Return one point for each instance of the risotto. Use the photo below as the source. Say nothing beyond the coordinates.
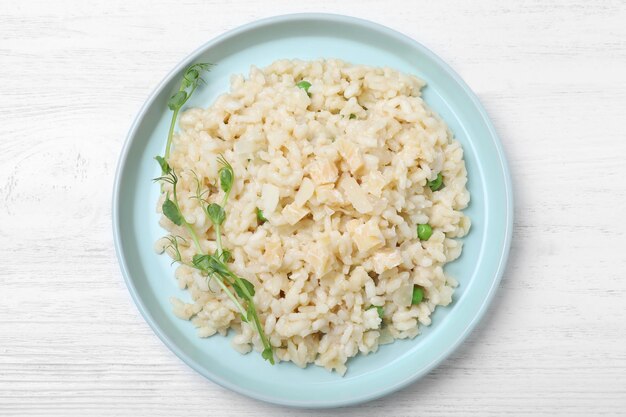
(347, 203)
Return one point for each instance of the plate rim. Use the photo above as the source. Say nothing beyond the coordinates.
(335, 18)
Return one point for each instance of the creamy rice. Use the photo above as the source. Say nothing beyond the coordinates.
(341, 175)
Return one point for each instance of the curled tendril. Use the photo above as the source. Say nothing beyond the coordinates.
(200, 195)
(170, 178)
(173, 246)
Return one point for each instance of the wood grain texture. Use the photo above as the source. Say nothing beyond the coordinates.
(551, 75)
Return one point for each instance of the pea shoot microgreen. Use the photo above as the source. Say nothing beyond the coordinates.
(213, 266)
(191, 80)
(216, 214)
(173, 248)
(171, 211)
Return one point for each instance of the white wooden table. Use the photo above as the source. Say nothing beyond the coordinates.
(552, 76)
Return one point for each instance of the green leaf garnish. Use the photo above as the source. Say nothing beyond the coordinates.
(171, 211)
(191, 75)
(165, 167)
(226, 174)
(216, 265)
(216, 213)
(177, 100)
(352, 116)
(201, 261)
(249, 286)
(191, 79)
(268, 355)
(211, 264)
(226, 256)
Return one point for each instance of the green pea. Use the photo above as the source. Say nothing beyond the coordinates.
(418, 295)
(424, 231)
(379, 310)
(437, 183)
(305, 85)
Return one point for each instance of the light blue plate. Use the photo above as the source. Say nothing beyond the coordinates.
(311, 36)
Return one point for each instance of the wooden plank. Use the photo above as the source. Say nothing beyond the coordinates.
(551, 77)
